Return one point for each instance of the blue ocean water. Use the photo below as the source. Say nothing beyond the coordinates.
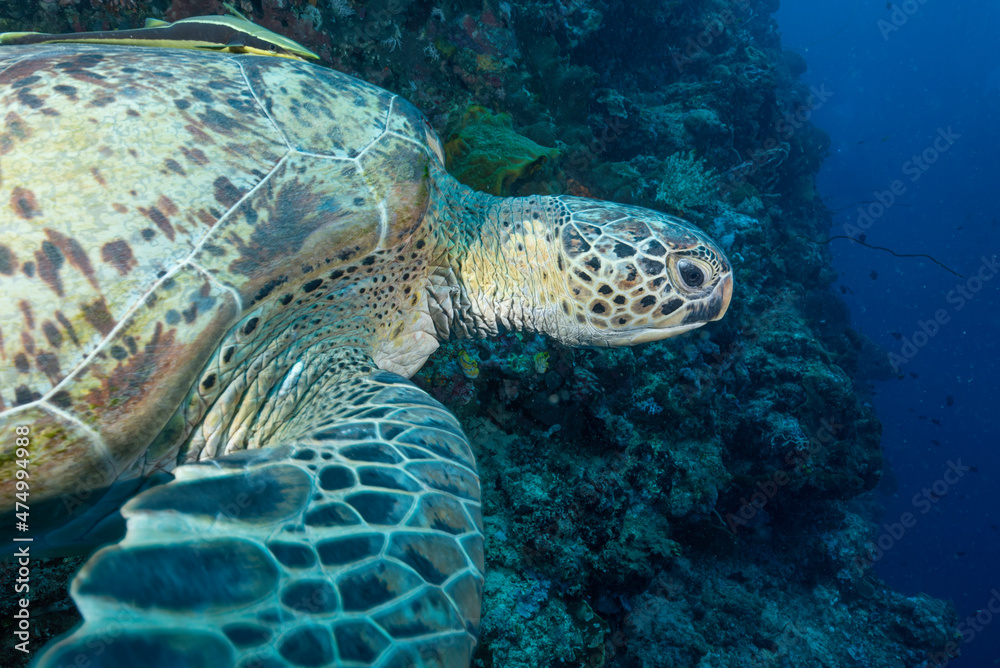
(910, 95)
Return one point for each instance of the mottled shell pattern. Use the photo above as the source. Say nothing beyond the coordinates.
(162, 221)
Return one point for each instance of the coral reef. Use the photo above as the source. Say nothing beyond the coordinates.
(703, 501)
(485, 152)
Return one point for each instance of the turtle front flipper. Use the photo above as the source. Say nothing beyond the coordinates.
(359, 544)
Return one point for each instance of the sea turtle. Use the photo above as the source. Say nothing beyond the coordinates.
(220, 270)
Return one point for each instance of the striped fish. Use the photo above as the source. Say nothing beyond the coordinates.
(232, 34)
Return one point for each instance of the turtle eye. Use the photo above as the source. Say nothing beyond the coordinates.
(691, 274)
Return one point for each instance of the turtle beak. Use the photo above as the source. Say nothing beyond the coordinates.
(726, 290)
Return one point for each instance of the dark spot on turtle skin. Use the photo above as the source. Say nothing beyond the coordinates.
(8, 261)
(594, 264)
(333, 478)
(268, 288)
(118, 353)
(96, 313)
(48, 364)
(246, 635)
(250, 326)
(68, 326)
(190, 313)
(292, 555)
(647, 301)
(360, 641)
(340, 551)
(598, 308)
(174, 166)
(651, 267)
(23, 202)
(172, 317)
(671, 306)
(131, 344)
(312, 285)
(147, 233)
(285, 298)
(61, 399)
(29, 269)
(29, 318)
(23, 395)
(26, 81)
(195, 155)
(209, 381)
(218, 122)
(332, 515)
(21, 363)
(213, 250)
(620, 299)
(101, 101)
(199, 135)
(73, 252)
(380, 507)
(307, 646)
(583, 275)
(52, 334)
(573, 242)
(228, 355)
(182, 104)
(68, 91)
(50, 261)
(119, 254)
(312, 597)
(25, 97)
(155, 215)
(201, 95)
(623, 250)
(605, 289)
(96, 173)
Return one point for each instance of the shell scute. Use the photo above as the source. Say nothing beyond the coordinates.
(139, 367)
(310, 212)
(317, 110)
(396, 170)
(127, 193)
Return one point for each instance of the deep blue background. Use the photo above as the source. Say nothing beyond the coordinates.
(890, 95)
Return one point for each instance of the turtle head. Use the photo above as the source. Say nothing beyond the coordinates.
(632, 275)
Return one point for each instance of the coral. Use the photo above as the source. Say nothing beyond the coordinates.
(685, 182)
(486, 153)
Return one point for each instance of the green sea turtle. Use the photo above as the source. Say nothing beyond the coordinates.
(220, 270)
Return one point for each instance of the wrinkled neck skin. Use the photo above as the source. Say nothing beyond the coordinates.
(495, 262)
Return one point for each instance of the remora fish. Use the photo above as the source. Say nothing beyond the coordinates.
(233, 34)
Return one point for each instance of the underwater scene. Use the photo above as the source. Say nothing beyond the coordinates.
(499, 334)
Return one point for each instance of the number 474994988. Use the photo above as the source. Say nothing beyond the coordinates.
(22, 442)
